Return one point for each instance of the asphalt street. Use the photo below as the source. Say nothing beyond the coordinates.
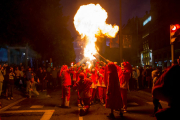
(43, 107)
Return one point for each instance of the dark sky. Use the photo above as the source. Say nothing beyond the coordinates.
(130, 8)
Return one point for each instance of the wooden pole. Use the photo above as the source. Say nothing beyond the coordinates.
(120, 33)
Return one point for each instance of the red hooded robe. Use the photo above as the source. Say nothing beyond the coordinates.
(113, 98)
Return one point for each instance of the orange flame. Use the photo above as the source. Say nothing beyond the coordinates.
(90, 21)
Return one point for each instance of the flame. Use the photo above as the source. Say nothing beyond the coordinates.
(90, 21)
(89, 64)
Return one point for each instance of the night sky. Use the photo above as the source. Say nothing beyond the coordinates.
(130, 9)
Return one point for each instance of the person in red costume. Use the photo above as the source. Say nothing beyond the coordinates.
(83, 86)
(94, 84)
(166, 88)
(79, 70)
(66, 83)
(74, 73)
(124, 76)
(101, 85)
(113, 98)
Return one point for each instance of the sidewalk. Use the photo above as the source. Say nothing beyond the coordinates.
(17, 95)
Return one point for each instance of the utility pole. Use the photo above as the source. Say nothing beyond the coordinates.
(172, 53)
(26, 58)
(120, 32)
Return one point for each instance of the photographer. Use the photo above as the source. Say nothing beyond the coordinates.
(155, 77)
(166, 88)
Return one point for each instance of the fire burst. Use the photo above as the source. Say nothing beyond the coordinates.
(90, 21)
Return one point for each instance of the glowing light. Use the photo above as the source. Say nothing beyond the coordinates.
(72, 64)
(90, 22)
(174, 28)
(89, 64)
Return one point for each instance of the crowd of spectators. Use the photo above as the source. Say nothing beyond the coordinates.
(27, 80)
(141, 77)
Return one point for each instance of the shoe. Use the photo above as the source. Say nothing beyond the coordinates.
(0, 105)
(125, 111)
(111, 115)
(48, 96)
(11, 98)
(79, 105)
(92, 102)
(62, 106)
(81, 112)
(67, 107)
(101, 101)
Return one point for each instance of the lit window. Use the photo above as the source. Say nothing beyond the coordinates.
(147, 20)
(145, 35)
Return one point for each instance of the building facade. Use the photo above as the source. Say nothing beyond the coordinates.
(131, 42)
(153, 39)
(79, 51)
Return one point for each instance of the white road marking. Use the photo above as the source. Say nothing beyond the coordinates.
(37, 106)
(163, 102)
(46, 116)
(80, 118)
(12, 104)
(133, 103)
(15, 107)
(151, 103)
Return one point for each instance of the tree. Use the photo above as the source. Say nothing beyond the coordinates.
(39, 23)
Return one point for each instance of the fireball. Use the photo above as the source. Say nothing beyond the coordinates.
(90, 22)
